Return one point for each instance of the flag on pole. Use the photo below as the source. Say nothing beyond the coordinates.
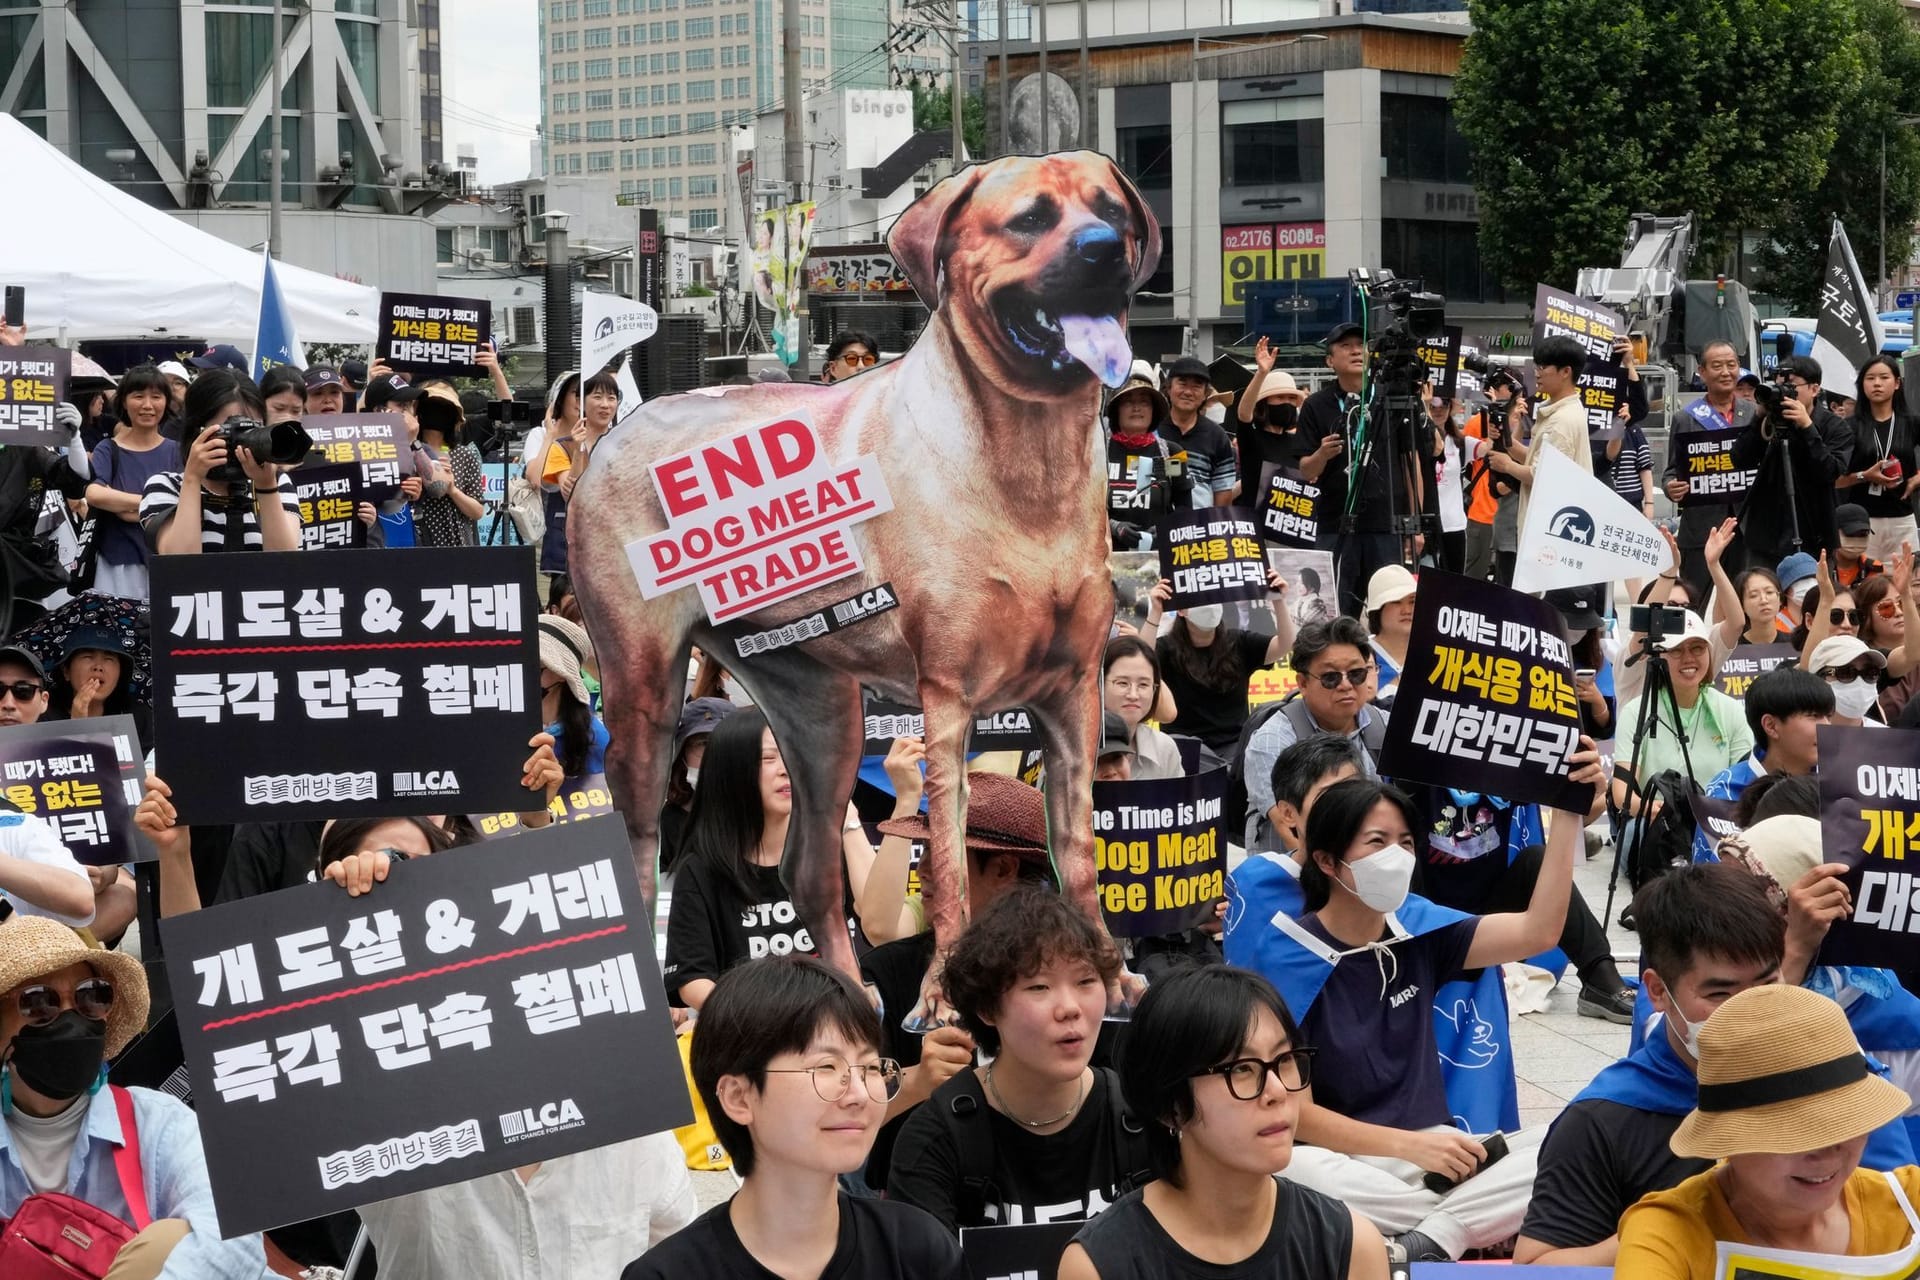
(1848, 330)
(274, 341)
(629, 389)
(1579, 531)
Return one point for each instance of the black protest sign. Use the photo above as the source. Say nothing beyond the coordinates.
(426, 333)
(374, 444)
(1559, 314)
(1870, 821)
(1289, 509)
(577, 800)
(33, 380)
(1746, 663)
(1137, 481)
(290, 685)
(1603, 389)
(1441, 355)
(1029, 1252)
(1708, 467)
(1488, 705)
(1715, 817)
(1011, 730)
(483, 1009)
(84, 777)
(1212, 556)
(1160, 850)
(328, 495)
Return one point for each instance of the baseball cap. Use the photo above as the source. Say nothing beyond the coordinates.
(1852, 518)
(26, 658)
(1114, 738)
(1389, 583)
(1345, 329)
(379, 392)
(1834, 651)
(1189, 367)
(1693, 628)
(324, 375)
(354, 373)
(1579, 608)
(223, 356)
(1747, 375)
(174, 369)
(702, 715)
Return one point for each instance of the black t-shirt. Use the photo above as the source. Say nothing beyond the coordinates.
(879, 1240)
(1055, 1177)
(1598, 1159)
(1311, 1239)
(896, 970)
(1873, 441)
(1377, 1059)
(266, 856)
(1260, 449)
(1126, 499)
(709, 929)
(1213, 715)
(1209, 451)
(1465, 856)
(1324, 414)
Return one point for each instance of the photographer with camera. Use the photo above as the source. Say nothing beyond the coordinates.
(1718, 410)
(230, 495)
(1493, 502)
(1562, 426)
(1882, 469)
(1799, 450)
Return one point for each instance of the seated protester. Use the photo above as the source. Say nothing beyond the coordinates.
(1787, 1100)
(1390, 623)
(1785, 708)
(265, 856)
(877, 878)
(1749, 605)
(1115, 761)
(195, 510)
(37, 873)
(1207, 664)
(66, 1009)
(1334, 663)
(1379, 1117)
(1301, 773)
(1132, 688)
(1707, 933)
(729, 903)
(1592, 670)
(1851, 563)
(1825, 611)
(1038, 1134)
(1853, 670)
(1714, 724)
(579, 737)
(698, 719)
(1887, 617)
(788, 1064)
(1216, 1064)
(95, 678)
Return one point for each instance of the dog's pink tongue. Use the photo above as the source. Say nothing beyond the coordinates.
(1100, 343)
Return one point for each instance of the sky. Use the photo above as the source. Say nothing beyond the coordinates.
(490, 82)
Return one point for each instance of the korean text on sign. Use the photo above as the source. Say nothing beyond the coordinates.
(1212, 556)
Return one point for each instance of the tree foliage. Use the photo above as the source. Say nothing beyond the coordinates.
(933, 109)
(1581, 112)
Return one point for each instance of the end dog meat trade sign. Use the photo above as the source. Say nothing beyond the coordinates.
(757, 518)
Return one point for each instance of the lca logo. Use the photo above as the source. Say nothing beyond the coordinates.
(554, 1117)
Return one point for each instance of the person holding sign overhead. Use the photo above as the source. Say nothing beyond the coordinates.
(1206, 664)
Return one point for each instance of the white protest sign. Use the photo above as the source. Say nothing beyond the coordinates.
(629, 391)
(1579, 531)
(609, 325)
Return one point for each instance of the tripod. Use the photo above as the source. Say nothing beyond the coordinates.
(1777, 440)
(1659, 681)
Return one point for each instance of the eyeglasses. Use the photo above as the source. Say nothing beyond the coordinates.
(41, 1004)
(863, 359)
(1837, 616)
(1247, 1077)
(831, 1080)
(22, 690)
(1889, 608)
(1355, 676)
(1847, 675)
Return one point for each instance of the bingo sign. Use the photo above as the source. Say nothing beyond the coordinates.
(760, 517)
(1712, 478)
(1212, 556)
(33, 380)
(426, 333)
(1160, 850)
(1286, 251)
(458, 1021)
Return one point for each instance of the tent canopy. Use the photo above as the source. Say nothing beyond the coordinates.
(97, 263)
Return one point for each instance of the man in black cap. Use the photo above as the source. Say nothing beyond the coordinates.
(354, 374)
(326, 390)
(1209, 450)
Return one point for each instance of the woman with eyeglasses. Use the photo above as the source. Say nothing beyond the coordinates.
(1131, 689)
(1749, 605)
(1215, 1066)
(851, 353)
(1854, 671)
(787, 1061)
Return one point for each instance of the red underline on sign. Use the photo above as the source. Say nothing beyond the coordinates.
(413, 977)
(838, 517)
(766, 598)
(348, 648)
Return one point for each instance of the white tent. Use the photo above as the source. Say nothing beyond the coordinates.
(97, 263)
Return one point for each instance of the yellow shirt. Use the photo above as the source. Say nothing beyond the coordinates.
(1670, 1234)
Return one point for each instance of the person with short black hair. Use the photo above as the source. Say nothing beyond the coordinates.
(1562, 425)
(1786, 512)
(854, 351)
(1208, 449)
(1038, 1134)
(1335, 665)
(1216, 1065)
(1785, 708)
(788, 1064)
(1718, 410)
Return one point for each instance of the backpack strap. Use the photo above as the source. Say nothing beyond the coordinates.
(1129, 1138)
(974, 1140)
(126, 1160)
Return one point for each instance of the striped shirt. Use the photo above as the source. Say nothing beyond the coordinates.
(162, 495)
(1210, 463)
(1635, 457)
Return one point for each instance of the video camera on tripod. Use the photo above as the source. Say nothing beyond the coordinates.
(1400, 315)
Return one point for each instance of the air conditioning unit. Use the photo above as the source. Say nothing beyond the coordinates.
(476, 259)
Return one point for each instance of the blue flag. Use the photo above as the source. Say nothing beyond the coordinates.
(274, 341)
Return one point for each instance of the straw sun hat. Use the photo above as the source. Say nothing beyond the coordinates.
(564, 648)
(32, 947)
(1781, 1074)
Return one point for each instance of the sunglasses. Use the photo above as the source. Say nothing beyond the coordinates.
(864, 361)
(41, 1004)
(1847, 675)
(23, 690)
(1887, 609)
(1837, 616)
(1355, 676)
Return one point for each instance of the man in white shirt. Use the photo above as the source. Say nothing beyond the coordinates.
(37, 874)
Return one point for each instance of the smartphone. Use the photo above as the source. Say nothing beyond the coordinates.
(1496, 1147)
(16, 306)
(1583, 673)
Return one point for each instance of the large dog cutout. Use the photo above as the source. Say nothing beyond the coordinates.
(985, 435)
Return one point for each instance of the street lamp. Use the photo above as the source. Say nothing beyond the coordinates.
(1193, 164)
(1880, 281)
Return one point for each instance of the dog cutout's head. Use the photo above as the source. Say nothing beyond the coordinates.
(1032, 260)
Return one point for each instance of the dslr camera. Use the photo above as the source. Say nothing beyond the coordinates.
(1771, 396)
(284, 444)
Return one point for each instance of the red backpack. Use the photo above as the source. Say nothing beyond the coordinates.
(56, 1237)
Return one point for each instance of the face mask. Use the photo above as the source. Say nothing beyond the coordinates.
(1215, 413)
(61, 1059)
(1381, 878)
(1206, 616)
(693, 776)
(1854, 698)
(1689, 1034)
(1283, 415)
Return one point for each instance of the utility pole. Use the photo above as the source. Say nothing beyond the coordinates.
(279, 92)
(795, 116)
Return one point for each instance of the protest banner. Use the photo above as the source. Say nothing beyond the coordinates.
(577, 800)
(1603, 389)
(1870, 822)
(1289, 509)
(1009, 730)
(1557, 313)
(1027, 1252)
(1715, 817)
(33, 381)
(610, 324)
(1441, 355)
(1212, 556)
(427, 333)
(759, 517)
(1586, 534)
(290, 685)
(1746, 663)
(840, 613)
(373, 444)
(1160, 851)
(328, 496)
(1709, 470)
(85, 778)
(484, 1009)
(1493, 711)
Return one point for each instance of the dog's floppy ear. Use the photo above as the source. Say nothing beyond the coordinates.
(1145, 227)
(915, 240)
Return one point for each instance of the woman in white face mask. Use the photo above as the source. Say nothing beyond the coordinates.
(1853, 669)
